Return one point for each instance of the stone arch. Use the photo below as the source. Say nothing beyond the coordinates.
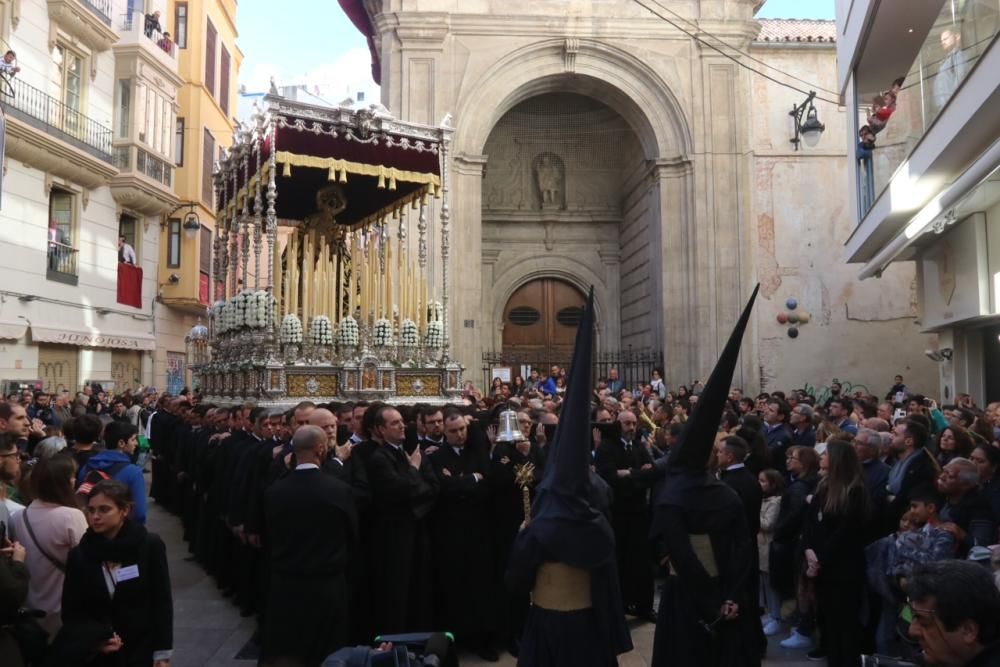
(567, 269)
(599, 70)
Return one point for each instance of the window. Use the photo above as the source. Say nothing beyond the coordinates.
(179, 142)
(71, 84)
(62, 228)
(181, 25)
(140, 105)
(210, 59)
(523, 316)
(124, 107)
(205, 266)
(224, 81)
(208, 164)
(361, 96)
(129, 228)
(174, 243)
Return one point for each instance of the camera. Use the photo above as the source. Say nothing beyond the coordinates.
(884, 661)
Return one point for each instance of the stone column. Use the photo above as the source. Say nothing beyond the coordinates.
(674, 186)
(468, 299)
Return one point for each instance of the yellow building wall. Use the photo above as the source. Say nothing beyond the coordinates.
(179, 309)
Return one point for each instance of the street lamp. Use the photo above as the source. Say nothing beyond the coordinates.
(192, 223)
(810, 129)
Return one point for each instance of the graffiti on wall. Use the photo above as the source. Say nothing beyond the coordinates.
(847, 388)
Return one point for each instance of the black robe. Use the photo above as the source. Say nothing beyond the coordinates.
(311, 524)
(692, 597)
(402, 497)
(506, 516)
(630, 518)
(460, 539)
(593, 637)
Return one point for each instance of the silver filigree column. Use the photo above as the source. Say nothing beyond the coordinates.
(445, 236)
(272, 216)
(257, 209)
(245, 155)
(234, 252)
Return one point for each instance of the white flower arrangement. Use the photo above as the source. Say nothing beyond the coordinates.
(225, 317)
(382, 333)
(320, 331)
(216, 315)
(409, 334)
(435, 334)
(347, 334)
(258, 309)
(291, 330)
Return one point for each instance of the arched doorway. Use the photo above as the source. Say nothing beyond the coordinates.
(540, 319)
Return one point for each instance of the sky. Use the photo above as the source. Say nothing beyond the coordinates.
(329, 51)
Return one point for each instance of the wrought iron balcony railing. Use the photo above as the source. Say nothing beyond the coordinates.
(62, 266)
(99, 8)
(36, 108)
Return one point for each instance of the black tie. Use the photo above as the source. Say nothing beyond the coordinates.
(400, 455)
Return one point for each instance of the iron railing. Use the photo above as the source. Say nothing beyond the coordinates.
(62, 264)
(634, 366)
(137, 22)
(99, 8)
(152, 166)
(45, 112)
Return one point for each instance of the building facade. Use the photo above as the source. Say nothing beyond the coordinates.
(87, 159)
(208, 66)
(928, 194)
(599, 144)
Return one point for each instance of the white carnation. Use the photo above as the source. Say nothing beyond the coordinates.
(347, 335)
(320, 331)
(291, 330)
(382, 333)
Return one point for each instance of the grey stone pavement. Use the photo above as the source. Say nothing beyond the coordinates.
(208, 630)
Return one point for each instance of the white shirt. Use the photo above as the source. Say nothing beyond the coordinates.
(307, 466)
(128, 254)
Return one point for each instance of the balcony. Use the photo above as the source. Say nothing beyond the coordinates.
(144, 182)
(48, 135)
(139, 40)
(87, 20)
(62, 263)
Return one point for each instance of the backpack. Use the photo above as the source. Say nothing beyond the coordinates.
(94, 476)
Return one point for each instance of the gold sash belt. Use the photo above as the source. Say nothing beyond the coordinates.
(559, 587)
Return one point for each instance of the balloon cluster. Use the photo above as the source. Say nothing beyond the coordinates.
(793, 317)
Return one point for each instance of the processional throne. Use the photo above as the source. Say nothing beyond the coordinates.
(324, 287)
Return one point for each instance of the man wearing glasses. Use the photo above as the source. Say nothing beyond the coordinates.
(956, 614)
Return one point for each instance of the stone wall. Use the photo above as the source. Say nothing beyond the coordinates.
(860, 332)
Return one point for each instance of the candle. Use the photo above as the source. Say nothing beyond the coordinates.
(388, 281)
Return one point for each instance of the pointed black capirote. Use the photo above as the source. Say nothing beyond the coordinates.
(696, 441)
(565, 518)
(568, 460)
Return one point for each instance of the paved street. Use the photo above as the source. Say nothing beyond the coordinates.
(208, 630)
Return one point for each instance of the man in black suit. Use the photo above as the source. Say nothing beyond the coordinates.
(311, 526)
(432, 418)
(732, 451)
(404, 488)
(461, 535)
(627, 466)
(339, 461)
(914, 467)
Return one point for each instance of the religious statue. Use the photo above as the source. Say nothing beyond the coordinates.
(330, 201)
(549, 175)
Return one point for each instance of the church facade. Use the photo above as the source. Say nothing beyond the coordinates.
(599, 144)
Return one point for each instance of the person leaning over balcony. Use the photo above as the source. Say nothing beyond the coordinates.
(166, 43)
(152, 24)
(9, 64)
(126, 253)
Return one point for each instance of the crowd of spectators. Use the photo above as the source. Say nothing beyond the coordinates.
(848, 498)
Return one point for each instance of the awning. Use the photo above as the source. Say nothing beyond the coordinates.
(13, 330)
(41, 333)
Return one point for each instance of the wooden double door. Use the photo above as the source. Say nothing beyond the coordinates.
(542, 317)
